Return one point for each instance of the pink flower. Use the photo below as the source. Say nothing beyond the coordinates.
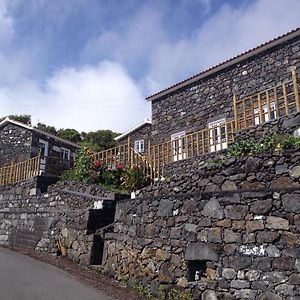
(97, 164)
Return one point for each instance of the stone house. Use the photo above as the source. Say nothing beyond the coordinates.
(138, 137)
(206, 100)
(20, 142)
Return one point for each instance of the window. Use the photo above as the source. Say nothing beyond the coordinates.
(217, 135)
(43, 147)
(178, 145)
(139, 146)
(196, 269)
(65, 153)
(265, 114)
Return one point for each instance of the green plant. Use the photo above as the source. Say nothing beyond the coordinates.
(173, 294)
(242, 148)
(124, 280)
(268, 143)
(142, 290)
(291, 142)
(134, 179)
(83, 166)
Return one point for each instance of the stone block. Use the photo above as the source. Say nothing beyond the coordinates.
(245, 294)
(291, 202)
(214, 235)
(261, 207)
(239, 262)
(284, 263)
(231, 236)
(165, 208)
(274, 277)
(269, 296)
(295, 172)
(213, 209)
(209, 295)
(277, 223)
(272, 251)
(229, 186)
(200, 251)
(252, 226)
(228, 273)
(236, 212)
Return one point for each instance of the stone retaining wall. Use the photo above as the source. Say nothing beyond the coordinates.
(235, 220)
(245, 244)
(37, 221)
(218, 173)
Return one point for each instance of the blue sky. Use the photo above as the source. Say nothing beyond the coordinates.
(89, 64)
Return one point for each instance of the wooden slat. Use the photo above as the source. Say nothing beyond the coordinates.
(286, 104)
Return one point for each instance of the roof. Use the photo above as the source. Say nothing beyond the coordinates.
(230, 62)
(8, 120)
(145, 122)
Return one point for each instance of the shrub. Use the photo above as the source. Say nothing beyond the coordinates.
(134, 179)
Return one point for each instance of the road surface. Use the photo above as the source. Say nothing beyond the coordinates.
(24, 278)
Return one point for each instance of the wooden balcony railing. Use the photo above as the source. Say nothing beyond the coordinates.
(20, 171)
(267, 105)
(205, 141)
(255, 109)
(123, 154)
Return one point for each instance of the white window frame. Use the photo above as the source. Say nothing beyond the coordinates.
(265, 113)
(139, 146)
(217, 135)
(45, 146)
(65, 151)
(178, 145)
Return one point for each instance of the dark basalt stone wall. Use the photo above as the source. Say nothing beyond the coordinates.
(15, 144)
(192, 107)
(143, 133)
(65, 211)
(235, 221)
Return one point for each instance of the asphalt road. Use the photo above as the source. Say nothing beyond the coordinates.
(24, 278)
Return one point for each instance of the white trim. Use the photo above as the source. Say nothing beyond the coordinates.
(226, 64)
(178, 148)
(133, 129)
(68, 151)
(139, 146)
(8, 120)
(215, 132)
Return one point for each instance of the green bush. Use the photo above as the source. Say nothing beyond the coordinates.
(117, 177)
(134, 179)
(269, 143)
(174, 294)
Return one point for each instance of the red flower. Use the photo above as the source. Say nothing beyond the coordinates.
(120, 166)
(97, 164)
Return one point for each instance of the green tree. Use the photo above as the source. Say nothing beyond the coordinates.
(44, 127)
(100, 140)
(70, 134)
(25, 119)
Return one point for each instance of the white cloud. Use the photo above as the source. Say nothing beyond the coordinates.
(6, 24)
(87, 99)
(227, 33)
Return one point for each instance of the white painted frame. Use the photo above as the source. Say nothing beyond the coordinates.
(178, 145)
(217, 135)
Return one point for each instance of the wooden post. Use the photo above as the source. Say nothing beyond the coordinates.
(296, 91)
(129, 147)
(286, 104)
(268, 105)
(276, 102)
(260, 110)
(235, 112)
(244, 114)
